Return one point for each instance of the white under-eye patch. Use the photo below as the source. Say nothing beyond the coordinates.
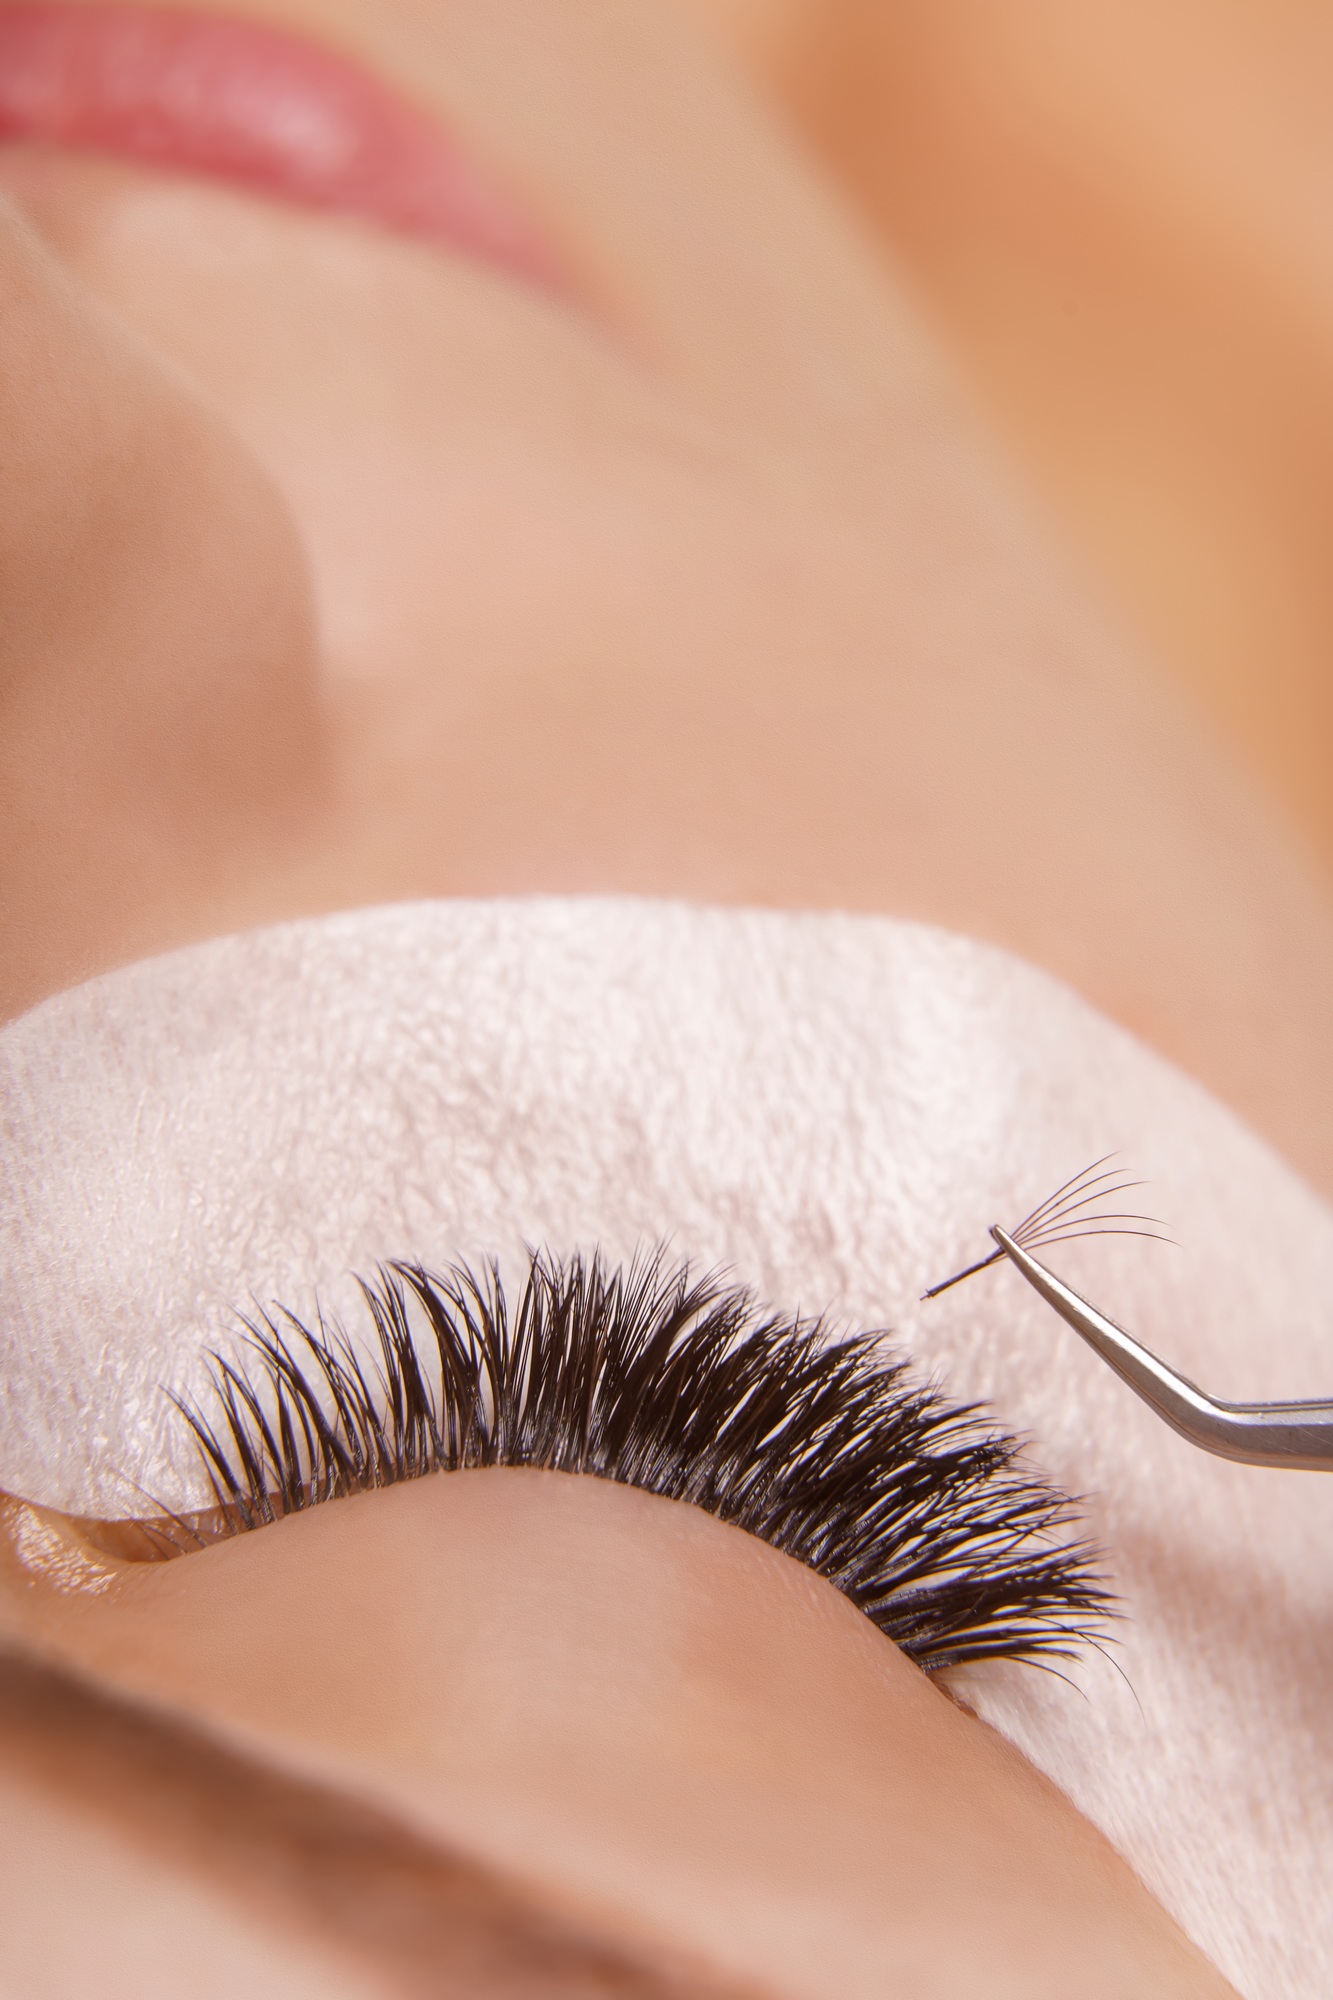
(834, 1108)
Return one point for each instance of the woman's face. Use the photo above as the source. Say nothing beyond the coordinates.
(605, 523)
(684, 573)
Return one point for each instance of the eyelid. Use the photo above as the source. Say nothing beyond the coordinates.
(644, 1375)
(323, 1863)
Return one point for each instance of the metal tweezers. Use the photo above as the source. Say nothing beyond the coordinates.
(1296, 1436)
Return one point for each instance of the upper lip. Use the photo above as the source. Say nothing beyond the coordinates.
(256, 106)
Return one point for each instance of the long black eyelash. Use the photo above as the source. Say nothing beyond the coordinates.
(910, 1505)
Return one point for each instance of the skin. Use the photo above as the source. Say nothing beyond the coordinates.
(163, 736)
(784, 634)
(683, 1734)
(148, 1924)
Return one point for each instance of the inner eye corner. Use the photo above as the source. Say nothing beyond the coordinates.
(150, 1538)
(41, 1536)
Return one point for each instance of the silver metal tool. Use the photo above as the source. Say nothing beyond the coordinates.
(1295, 1436)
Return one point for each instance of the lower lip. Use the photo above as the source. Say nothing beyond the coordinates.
(259, 109)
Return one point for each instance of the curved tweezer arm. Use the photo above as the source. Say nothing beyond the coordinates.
(1298, 1436)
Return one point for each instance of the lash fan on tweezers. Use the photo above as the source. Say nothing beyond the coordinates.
(1073, 1211)
(913, 1507)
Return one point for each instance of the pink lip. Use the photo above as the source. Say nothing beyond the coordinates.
(256, 107)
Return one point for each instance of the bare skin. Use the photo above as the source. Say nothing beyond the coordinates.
(667, 1725)
(163, 734)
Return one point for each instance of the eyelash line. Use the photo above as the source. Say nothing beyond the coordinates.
(910, 1505)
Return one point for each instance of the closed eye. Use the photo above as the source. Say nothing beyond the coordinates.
(914, 1507)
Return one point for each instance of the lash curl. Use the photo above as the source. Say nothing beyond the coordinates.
(912, 1506)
